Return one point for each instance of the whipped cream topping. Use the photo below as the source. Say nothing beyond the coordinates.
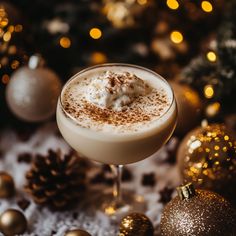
(116, 90)
(115, 99)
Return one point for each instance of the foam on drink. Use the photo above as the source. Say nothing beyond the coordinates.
(117, 99)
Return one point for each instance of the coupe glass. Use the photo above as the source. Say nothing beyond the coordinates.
(117, 149)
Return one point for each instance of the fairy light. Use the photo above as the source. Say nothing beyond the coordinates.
(65, 42)
(172, 4)
(208, 91)
(206, 6)
(176, 37)
(95, 33)
(211, 56)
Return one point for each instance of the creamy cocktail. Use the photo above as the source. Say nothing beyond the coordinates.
(116, 114)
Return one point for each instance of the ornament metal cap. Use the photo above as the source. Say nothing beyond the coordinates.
(36, 61)
(186, 191)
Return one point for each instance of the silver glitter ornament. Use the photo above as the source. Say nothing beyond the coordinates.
(199, 213)
(33, 91)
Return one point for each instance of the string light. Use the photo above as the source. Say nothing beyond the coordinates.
(65, 42)
(207, 6)
(208, 91)
(172, 4)
(95, 33)
(211, 56)
(176, 37)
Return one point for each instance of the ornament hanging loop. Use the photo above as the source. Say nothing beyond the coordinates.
(186, 191)
(36, 61)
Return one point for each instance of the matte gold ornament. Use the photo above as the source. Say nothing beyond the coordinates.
(198, 212)
(136, 224)
(12, 222)
(189, 107)
(77, 232)
(207, 157)
(7, 187)
(33, 91)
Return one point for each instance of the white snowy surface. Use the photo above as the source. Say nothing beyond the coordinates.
(42, 221)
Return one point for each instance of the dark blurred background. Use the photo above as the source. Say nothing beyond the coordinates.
(191, 42)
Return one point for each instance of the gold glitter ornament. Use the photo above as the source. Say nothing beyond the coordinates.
(7, 187)
(136, 224)
(198, 212)
(77, 232)
(12, 222)
(207, 157)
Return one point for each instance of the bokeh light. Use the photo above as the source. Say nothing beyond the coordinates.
(176, 37)
(98, 58)
(18, 28)
(208, 91)
(172, 4)
(211, 56)
(142, 2)
(95, 33)
(207, 6)
(213, 109)
(65, 42)
(5, 79)
(7, 36)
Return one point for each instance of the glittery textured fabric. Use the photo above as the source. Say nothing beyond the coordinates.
(206, 214)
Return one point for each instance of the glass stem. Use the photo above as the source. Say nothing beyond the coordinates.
(117, 171)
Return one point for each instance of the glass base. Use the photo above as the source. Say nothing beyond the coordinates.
(115, 210)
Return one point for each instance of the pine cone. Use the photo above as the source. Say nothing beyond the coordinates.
(55, 180)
